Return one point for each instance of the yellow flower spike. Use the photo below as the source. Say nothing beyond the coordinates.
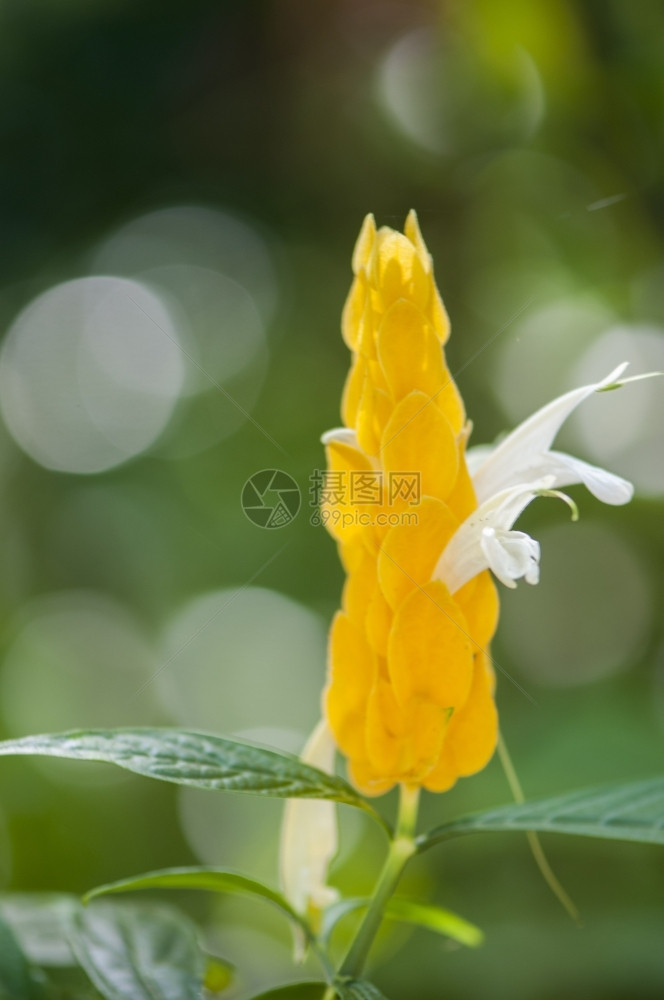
(410, 686)
(400, 658)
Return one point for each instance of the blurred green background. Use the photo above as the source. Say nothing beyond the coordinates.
(181, 185)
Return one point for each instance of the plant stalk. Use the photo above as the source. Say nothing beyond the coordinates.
(401, 850)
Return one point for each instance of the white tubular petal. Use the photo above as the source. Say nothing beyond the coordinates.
(346, 435)
(604, 485)
(471, 550)
(476, 456)
(522, 453)
(511, 555)
(309, 840)
(566, 470)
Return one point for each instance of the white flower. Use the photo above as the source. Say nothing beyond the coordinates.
(525, 455)
(485, 540)
(507, 478)
(309, 840)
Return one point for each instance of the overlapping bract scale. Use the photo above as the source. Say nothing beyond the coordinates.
(410, 689)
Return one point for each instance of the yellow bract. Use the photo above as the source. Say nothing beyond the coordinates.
(410, 690)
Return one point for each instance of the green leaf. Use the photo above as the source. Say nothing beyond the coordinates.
(212, 879)
(295, 991)
(633, 811)
(433, 918)
(337, 911)
(40, 921)
(198, 759)
(357, 989)
(16, 980)
(142, 953)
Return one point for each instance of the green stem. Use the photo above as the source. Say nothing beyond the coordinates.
(408, 803)
(322, 957)
(401, 850)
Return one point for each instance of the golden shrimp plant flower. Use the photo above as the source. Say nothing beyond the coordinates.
(410, 692)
